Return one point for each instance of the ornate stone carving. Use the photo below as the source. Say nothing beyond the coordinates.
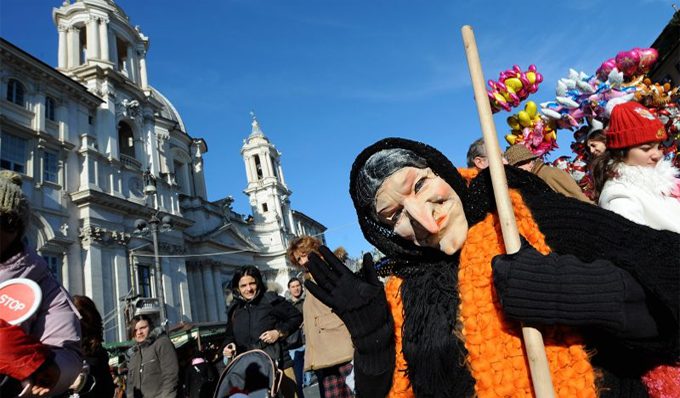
(64, 229)
(95, 234)
(169, 248)
(90, 234)
(128, 109)
(120, 238)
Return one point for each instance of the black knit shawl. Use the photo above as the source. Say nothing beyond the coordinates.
(435, 357)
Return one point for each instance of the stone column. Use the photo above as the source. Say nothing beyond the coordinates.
(219, 297)
(281, 174)
(62, 118)
(197, 298)
(39, 110)
(265, 163)
(183, 299)
(253, 167)
(70, 47)
(209, 290)
(92, 38)
(104, 39)
(142, 71)
(113, 43)
(74, 47)
(151, 142)
(62, 47)
(92, 265)
(130, 64)
(246, 163)
(121, 287)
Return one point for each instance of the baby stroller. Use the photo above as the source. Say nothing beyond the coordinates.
(252, 373)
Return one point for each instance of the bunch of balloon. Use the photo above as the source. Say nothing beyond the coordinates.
(531, 129)
(635, 62)
(513, 86)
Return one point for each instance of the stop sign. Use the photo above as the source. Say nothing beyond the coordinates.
(19, 299)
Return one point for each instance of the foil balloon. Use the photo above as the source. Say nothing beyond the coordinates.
(648, 57)
(512, 87)
(628, 61)
(528, 127)
(606, 68)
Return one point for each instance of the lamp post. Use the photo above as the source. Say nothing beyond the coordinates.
(154, 225)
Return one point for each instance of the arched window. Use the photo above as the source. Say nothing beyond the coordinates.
(258, 167)
(15, 92)
(49, 108)
(126, 140)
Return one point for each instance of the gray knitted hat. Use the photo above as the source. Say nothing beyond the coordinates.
(14, 206)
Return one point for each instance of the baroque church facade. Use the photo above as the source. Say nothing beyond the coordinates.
(108, 165)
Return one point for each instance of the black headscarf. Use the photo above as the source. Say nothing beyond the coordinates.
(435, 356)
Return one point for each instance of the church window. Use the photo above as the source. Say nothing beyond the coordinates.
(121, 46)
(49, 108)
(144, 277)
(15, 92)
(53, 265)
(258, 167)
(181, 177)
(50, 167)
(126, 140)
(13, 153)
(83, 46)
(276, 174)
(264, 207)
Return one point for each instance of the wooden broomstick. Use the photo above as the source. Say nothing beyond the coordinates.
(533, 341)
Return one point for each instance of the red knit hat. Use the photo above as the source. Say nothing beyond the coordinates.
(632, 124)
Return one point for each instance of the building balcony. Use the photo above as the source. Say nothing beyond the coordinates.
(131, 162)
(146, 306)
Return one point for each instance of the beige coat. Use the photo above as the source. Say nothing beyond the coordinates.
(559, 180)
(327, 340)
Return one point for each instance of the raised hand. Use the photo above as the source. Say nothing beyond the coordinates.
(359, 301)
(361, 304)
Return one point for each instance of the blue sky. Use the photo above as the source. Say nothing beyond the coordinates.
(326, 78)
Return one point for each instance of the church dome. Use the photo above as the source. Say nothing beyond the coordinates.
(168, 110)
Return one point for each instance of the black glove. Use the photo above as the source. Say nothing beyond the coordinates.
(553, 289)
(361, 304)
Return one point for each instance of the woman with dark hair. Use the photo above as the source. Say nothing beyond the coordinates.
(596, 140)
(448, 321)
(258, 319)
(91, 343)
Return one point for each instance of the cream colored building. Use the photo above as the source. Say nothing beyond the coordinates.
(91, 137)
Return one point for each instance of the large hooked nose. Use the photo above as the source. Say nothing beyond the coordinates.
(417, 221)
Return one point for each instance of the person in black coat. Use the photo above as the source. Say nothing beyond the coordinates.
(261, 320)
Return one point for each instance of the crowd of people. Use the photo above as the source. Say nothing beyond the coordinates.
(441, 314)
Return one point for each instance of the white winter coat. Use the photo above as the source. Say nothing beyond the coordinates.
(645, 195)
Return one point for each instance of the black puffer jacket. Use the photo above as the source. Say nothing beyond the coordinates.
(249, 319)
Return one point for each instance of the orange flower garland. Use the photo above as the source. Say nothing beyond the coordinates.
(495, 354)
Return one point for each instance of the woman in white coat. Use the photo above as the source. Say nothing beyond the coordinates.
(632, 177)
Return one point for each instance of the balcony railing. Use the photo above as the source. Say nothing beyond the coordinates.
(146, 305)
(130, 162)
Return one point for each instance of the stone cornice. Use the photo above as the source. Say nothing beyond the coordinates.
(14, 55)
(89, 196)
